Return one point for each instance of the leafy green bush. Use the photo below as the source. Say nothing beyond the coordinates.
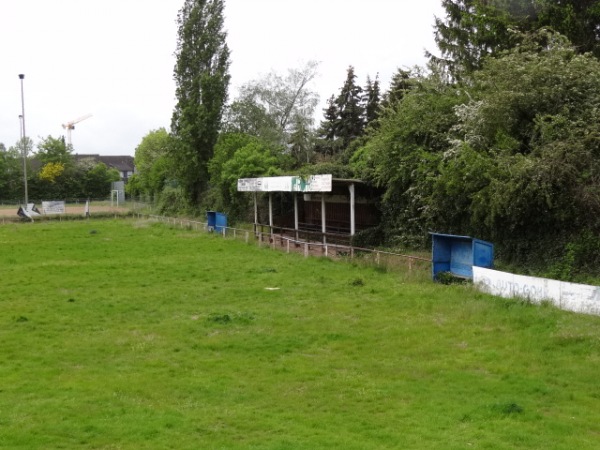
(172, 201)
(581, 256)
(368, 238)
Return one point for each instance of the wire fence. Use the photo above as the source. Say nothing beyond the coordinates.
(76, 209)
(306, 242)
(371, 257)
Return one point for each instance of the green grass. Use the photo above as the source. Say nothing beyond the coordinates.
(131, 335)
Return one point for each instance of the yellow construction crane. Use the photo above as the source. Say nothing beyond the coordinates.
(71, 126)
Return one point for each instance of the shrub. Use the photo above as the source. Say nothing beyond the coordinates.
(172, 201)
(368, 238)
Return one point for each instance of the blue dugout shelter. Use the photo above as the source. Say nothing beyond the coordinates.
(458, 254)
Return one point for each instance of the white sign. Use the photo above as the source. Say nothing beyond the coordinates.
(56, 207)
(312, 183)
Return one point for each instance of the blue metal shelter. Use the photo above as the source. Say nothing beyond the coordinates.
(216, 221)
(458, 254)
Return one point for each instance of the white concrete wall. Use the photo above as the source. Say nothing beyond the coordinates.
(579, 298)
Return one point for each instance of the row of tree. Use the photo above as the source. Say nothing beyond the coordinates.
(498, 137)
(52, 173)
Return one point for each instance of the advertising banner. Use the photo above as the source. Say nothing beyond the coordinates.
(53, 207)
(312, 183)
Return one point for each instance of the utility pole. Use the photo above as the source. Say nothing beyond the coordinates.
(24, 139)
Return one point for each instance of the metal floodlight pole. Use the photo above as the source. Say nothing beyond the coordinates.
(23, 139)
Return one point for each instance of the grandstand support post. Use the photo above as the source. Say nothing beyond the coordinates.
(255, 213)
(352, 210)
(323, 218)
(296, 214)
(271, 212)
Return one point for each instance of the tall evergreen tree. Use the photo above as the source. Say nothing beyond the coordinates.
(372, 101)
(327, 132)
(351, 119)
(474, 29)
(579, 20)
(329, 125)
(202, 80)
(300, 141)
(328, 128)
(471, 30)
(403, 81)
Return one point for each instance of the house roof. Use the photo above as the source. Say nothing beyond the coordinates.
(123, 163)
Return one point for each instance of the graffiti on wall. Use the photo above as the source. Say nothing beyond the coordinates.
(568, 296)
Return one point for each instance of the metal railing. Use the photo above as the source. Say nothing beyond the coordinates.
(307, 247)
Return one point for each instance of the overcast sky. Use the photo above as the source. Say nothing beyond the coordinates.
(114, 58)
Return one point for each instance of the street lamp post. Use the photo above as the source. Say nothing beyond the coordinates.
(23, 139)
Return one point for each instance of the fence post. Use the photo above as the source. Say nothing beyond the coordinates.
(410, 264)
(377, 257)
(288, 245)
(306, 250)
(247, 235)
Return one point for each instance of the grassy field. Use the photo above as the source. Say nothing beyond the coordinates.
(131, 335)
